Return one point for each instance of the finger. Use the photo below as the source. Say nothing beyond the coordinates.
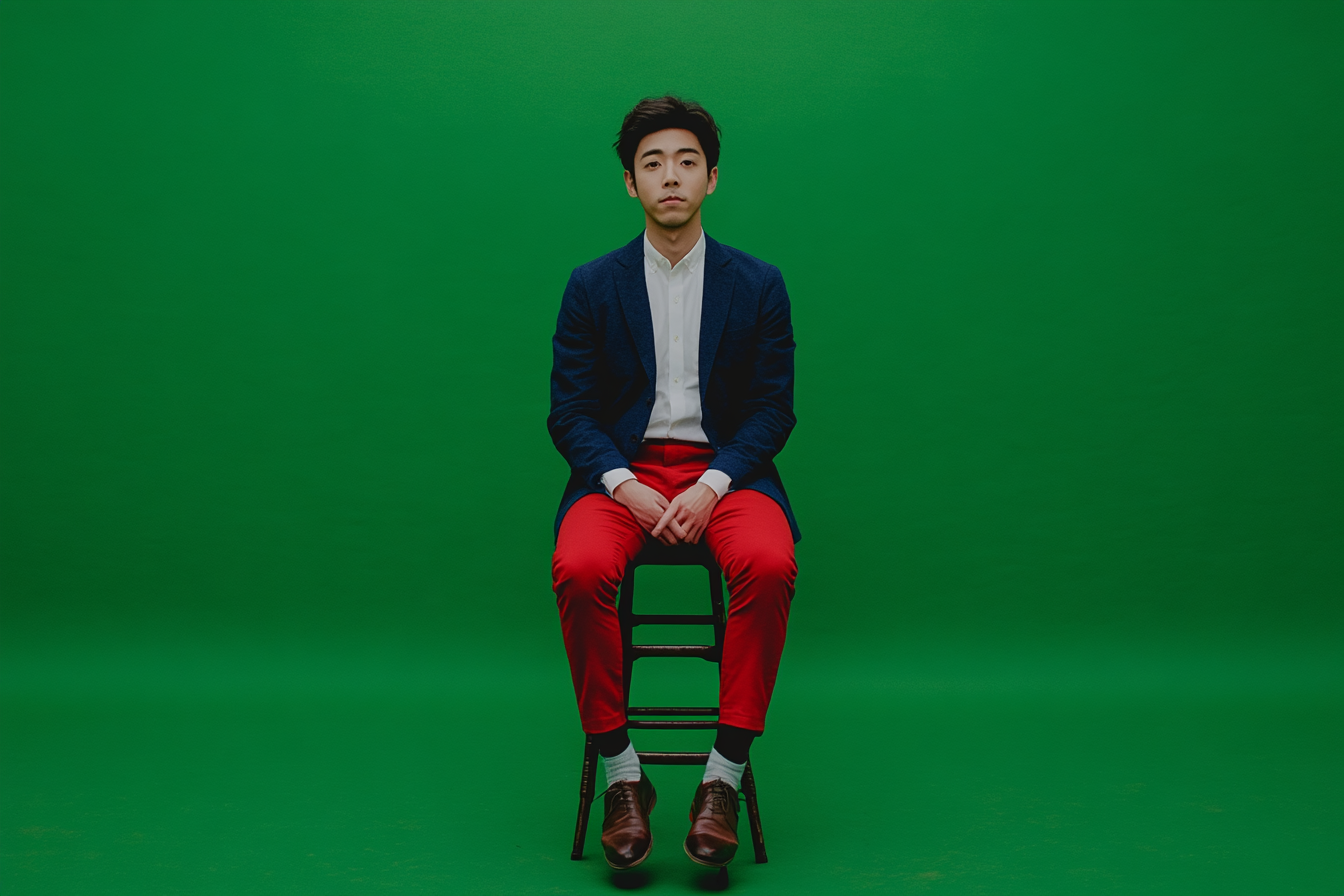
(663, 521)
(648, 522)
(685, 519)
(669, 512)
(695, 533)
(677, 529)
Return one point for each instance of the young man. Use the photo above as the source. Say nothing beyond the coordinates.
(671, 393)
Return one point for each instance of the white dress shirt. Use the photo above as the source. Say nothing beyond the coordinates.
(675, 299)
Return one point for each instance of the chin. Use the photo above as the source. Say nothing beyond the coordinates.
(674, 217)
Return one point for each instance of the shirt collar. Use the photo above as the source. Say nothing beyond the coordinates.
(691, 261)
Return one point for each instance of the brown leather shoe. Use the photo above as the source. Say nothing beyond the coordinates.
(626, 839)
(713, 837)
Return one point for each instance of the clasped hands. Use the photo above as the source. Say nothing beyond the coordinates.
(683, 519)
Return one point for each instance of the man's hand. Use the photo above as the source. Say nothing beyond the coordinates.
(688, 514)
(647, 506)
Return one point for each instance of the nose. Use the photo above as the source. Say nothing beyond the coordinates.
(670, 178)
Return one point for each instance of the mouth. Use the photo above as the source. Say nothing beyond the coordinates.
(671, 200)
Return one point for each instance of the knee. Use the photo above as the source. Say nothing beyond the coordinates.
(585, 575)
(772, 566)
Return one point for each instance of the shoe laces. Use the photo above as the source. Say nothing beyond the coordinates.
(717, 798)
(624, 797)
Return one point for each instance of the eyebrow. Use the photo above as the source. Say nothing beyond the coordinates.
(651, 152)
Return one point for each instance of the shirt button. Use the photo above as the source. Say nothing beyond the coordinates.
(676, 338)
(676, 299)
(676, 379)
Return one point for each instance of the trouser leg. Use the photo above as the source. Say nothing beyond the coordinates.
(598, 537)
(752, 543)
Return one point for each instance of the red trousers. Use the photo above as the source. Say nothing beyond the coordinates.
(750, 540)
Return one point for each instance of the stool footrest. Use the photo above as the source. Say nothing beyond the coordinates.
(671, 724)
(672, 711)
(674, 758)
(704, 651)
(671, 619)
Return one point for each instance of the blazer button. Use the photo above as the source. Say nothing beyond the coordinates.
(634, 438)
(649, 402)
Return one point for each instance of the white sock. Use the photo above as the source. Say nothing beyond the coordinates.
(622, 767)
(728, 772)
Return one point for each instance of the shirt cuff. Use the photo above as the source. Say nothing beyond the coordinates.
(613, 478)
(717, 480)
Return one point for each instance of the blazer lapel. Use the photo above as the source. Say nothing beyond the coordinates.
(634, 295)
(715, 301)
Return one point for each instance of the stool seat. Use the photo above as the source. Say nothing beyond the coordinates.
(655, 553)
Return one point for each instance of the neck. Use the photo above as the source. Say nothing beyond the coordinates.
(674, 243)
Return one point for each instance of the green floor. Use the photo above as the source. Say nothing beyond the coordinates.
(1136, 775)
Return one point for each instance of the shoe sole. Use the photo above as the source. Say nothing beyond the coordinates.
(702, 861)
(647, 852)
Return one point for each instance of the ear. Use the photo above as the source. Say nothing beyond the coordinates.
(630, 185)
(713, 180)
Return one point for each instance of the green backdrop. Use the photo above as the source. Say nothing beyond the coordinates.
(278, 282)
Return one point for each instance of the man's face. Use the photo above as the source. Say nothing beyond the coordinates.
(671, 178)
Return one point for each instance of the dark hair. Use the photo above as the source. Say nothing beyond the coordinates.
(658, 114)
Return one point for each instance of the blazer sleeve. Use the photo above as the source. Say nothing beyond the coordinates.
(576, 374)
(768, 412)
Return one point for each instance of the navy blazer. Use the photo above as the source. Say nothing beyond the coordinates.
(602, 380)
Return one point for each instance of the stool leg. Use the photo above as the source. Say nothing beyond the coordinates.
(587, 788)
(716, 608)
(754, 814)
(625, 611)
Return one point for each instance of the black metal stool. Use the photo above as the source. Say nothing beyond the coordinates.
(655, 553)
